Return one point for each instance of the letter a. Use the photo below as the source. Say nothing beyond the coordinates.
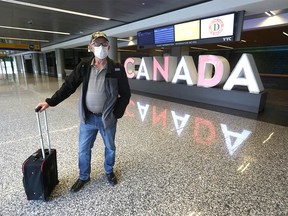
(145, 68)
(245, 73)
(186, 71)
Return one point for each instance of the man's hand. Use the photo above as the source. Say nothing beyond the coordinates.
(42, 106)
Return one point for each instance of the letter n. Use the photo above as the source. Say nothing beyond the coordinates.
(165, 66)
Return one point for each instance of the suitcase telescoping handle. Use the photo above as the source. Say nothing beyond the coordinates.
(40, 132)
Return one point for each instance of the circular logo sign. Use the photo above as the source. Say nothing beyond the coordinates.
(216, 26)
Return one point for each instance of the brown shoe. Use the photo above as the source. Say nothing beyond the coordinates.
(79, 184)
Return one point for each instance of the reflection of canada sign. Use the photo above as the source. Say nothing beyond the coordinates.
(165, 68)
(233, 139)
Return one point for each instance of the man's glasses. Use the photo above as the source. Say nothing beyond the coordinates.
(96, 44)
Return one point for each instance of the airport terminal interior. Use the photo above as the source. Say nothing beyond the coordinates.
(174, 157)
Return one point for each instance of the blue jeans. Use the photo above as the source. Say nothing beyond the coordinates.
(87, 137)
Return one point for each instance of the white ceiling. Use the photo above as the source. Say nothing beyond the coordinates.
(127, 17)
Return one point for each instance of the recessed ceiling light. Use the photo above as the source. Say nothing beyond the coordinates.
(198, 48)
(55, 9)
(270, 13)
(227, 47)
(131, 43)
(126, 50)
(35, 30)
(122, 39)
(24, 39)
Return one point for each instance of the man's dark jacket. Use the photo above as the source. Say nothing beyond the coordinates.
(116, 87)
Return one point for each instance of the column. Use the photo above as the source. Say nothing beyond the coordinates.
(113, 49)
(176, 51)
(19, 65)
(35, 63)
(12, 65)
(60, 65)
(1, 68)
(185, 51)
(23, 64)
(43, 63)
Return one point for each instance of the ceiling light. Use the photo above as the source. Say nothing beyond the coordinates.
(270, 13)
(198, 48)
(225, 47)
(55, 9)
(35, 30)
(285, 33)
(244, 41)
(126, 50)
(122, 39)
(24, 39)
(131, 43)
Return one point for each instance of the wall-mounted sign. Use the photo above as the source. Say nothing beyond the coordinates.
(28, 47)
(221, 28)
(187, 31)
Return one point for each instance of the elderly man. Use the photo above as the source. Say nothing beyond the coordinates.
(104, 97)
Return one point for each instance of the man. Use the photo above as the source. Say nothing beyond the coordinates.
(104, 97)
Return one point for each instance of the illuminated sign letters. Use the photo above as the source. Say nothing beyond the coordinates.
(130, 66)
(186, 71)
(205, 68)
(165, 66)
(212, 71)
(145, 69)
(245, 73)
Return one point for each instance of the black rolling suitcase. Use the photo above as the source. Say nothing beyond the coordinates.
(40, 174)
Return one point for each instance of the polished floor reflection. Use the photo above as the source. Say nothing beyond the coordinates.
(172, 159)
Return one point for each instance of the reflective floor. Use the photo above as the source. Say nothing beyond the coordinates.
(172, 159)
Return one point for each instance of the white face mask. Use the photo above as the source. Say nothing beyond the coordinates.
(101, 52)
